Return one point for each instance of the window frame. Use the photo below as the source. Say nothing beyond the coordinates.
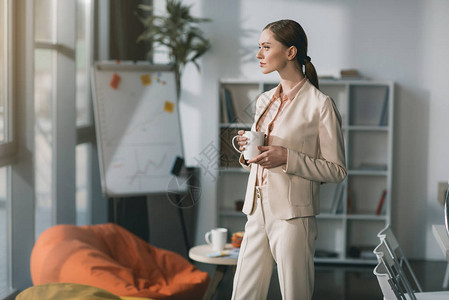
(21, 178)
(62, 43)
(98, 35)
(8, 147)
(21, 172)
(85, 132)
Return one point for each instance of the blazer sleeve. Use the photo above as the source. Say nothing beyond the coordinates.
(243, 163)
(331, 165)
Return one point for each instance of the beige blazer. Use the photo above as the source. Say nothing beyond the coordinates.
(311, 131)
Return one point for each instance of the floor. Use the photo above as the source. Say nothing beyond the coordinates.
(332, 282)
(346, 282)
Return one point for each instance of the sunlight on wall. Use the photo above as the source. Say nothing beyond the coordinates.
(436, 47)
(325, 23)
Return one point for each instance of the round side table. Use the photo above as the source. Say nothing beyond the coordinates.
(199, 253)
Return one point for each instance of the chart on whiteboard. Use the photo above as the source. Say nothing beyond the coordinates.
(139, 130)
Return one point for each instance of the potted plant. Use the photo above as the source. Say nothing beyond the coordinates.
(178, 31)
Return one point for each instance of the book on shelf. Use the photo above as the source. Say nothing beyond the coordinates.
(223, 109)
(350, 74)
(384, 113)
(337, 201)
(327, 77)
(340, 203)
(349, 205)
(238, 106)
(229, 104)
(380, 205)
(334, 204)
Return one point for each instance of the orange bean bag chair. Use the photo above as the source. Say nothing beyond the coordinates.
(69, 291)
(109, 257)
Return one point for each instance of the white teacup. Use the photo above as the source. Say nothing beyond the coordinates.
(217, 238)
(254, 139)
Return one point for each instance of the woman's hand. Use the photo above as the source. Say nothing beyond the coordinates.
(271, 156)
(241, 140)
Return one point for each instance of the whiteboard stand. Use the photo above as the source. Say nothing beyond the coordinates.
(183, 227)
(131, 213)
(176, 171)
(115, 201)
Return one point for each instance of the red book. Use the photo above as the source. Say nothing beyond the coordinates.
(381, 202)
(115, 80)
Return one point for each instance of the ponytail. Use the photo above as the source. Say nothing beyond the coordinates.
(310, 72)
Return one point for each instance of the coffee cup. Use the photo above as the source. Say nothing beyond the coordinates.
(254, 139)
(217, 238)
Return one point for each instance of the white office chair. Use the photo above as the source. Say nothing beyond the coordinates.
(398, 255)
(442, 238)
(437, 232)
(446, 209)
(387, 284)
(446, 223)
(390, 286)
(401, 284)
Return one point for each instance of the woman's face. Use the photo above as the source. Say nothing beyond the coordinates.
(272, 55)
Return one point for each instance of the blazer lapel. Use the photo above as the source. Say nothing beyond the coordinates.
(295, 102)
(263, 111)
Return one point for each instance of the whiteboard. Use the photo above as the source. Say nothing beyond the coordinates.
(137, 127)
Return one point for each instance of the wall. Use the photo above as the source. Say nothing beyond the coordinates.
(405, 41)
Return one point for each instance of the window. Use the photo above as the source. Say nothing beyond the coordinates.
(62, 112)
(44, 20)
(6, 142)
(83, 112)
(83, 46)
(6, 149)
(3, 230)
(82, 181)
(44, 93)
(2, 71)
(43, 101)
(55, 112)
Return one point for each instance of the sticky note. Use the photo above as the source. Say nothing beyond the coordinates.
(169, 106)
(115, 80)
(163, 82)
(146, 79)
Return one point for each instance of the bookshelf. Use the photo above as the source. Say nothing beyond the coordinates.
(348, 223)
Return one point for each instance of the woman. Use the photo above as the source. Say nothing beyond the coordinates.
(303, 148)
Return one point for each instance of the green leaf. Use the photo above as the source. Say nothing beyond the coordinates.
(177, 30)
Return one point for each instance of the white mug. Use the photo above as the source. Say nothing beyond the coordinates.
(217, 238)
(254, 139)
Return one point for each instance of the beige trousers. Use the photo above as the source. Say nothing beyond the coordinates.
(289, 243)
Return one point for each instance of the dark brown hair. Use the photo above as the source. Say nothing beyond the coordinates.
(290, 33)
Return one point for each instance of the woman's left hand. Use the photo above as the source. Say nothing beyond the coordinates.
(271, 156)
